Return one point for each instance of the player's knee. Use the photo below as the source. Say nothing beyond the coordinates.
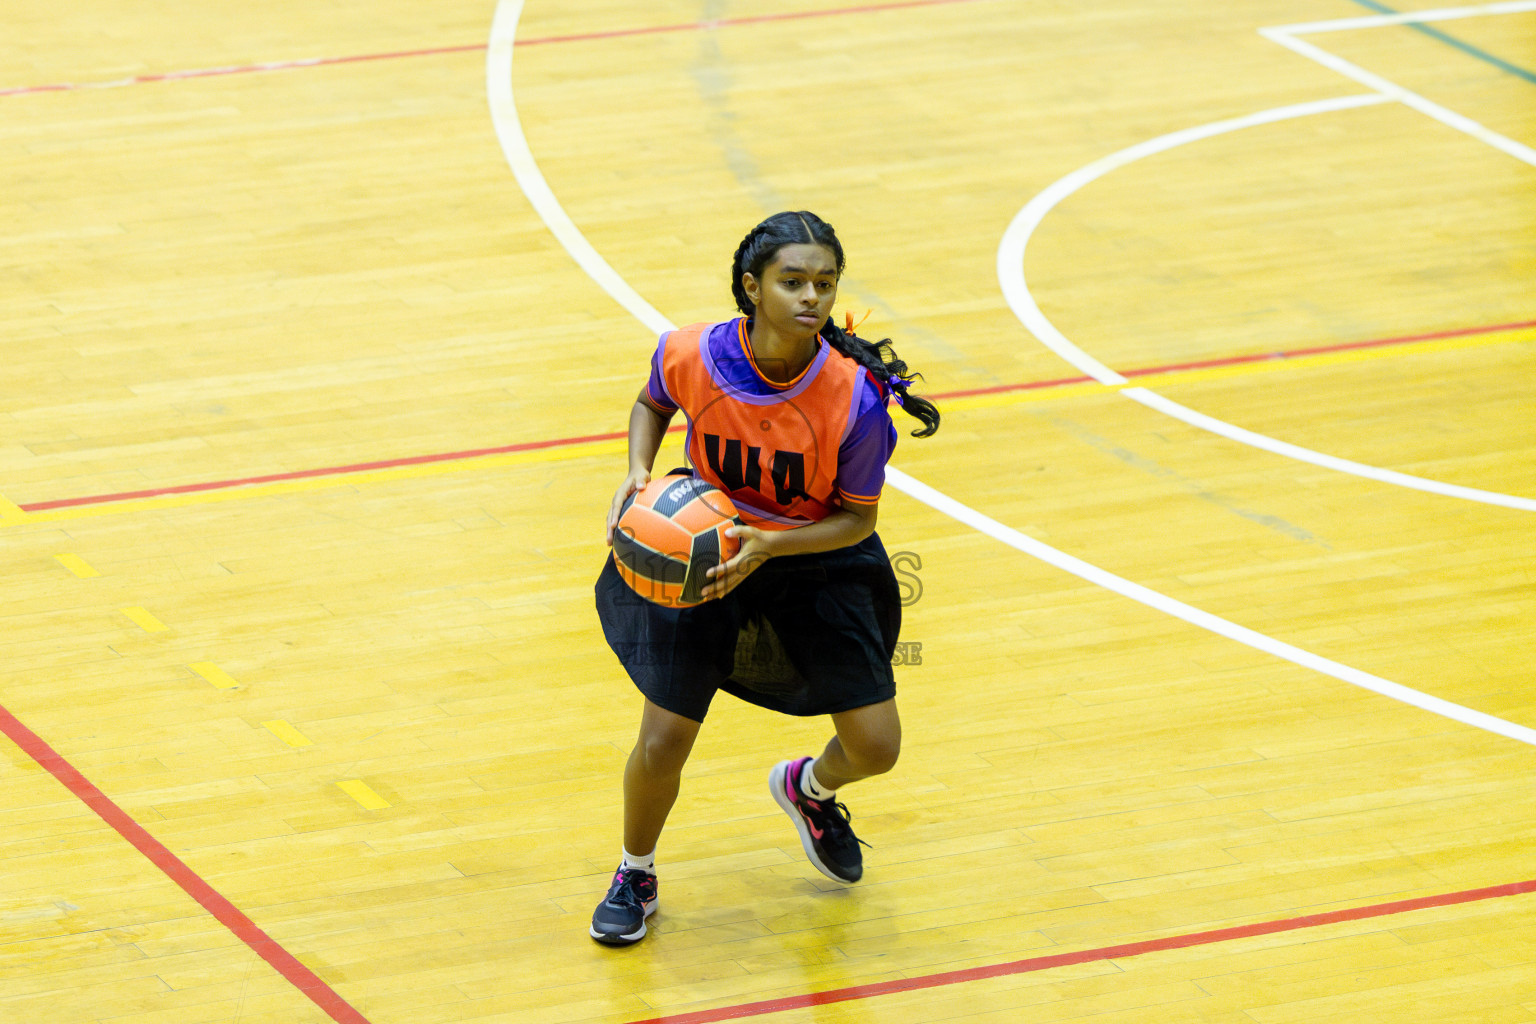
(664, 752)
(875, 755)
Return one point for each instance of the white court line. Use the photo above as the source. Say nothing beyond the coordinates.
(1010, 275)
(1286, 37)
(1205, 620)
(498, 70)
(509, 131)
(1010, 252)
(1153, 400)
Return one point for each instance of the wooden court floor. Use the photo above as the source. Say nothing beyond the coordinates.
(320, 325)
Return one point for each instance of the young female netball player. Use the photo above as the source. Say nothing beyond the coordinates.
(787, 414)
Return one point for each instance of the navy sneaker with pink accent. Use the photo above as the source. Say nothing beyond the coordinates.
(620, 919)
(823, 824)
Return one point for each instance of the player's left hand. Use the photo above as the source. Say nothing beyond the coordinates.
(727, 576)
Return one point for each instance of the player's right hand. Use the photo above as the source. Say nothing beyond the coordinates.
(634, 482)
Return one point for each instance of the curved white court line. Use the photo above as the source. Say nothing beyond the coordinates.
(1010, 275)
(509, 132)
(498, 71)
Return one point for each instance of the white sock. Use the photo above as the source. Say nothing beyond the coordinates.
(646, 863)
(810, 787)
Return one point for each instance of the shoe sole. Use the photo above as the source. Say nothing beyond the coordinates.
(778, 785)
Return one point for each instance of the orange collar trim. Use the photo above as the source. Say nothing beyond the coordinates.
(746, 346)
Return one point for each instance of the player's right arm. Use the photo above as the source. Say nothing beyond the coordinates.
(647, 427)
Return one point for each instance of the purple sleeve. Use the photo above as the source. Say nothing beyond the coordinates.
(656, 387)
(865, 451)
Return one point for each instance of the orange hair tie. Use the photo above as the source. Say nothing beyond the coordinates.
(848, 319)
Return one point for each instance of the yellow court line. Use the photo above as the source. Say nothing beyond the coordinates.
(11, 512)
(77, 565)
(146, 620)
(287, 733)
(359, 790)
(593, 449)
(215, 675)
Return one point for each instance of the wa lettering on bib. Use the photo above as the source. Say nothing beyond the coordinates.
(773, 447)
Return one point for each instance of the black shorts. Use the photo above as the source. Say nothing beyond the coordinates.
(803, 635)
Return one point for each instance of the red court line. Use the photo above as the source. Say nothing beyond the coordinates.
(563, 442)
(225, 912)
(1257, 357)
(1129, 949)
(580, 37)
(303, 474)
(237, 69)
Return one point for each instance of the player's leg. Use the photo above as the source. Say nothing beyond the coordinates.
(651, 780)
(867, 742)
(653, 774)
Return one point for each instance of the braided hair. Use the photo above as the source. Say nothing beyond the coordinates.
(759, 248)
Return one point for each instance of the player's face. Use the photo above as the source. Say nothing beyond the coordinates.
(797, 291)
